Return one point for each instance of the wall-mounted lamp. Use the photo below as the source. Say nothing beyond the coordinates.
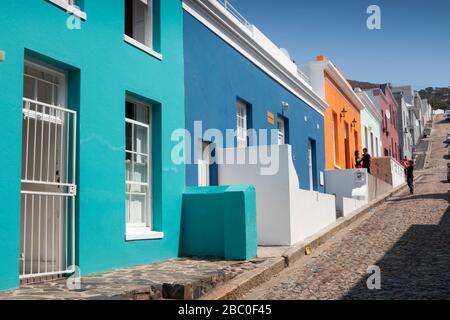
(354, 122)
(285, 106)
(343, 112)
(2, 55)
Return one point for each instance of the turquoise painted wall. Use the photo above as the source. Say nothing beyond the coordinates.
(219, 222)
(102, 68)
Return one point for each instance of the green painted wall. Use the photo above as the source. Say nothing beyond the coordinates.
(102, 68)
(219, 222)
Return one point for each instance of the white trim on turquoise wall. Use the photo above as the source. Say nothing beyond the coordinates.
(70, 8)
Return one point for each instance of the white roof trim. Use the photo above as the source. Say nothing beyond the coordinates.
(368, 103)
(211, 14)
(316, 70)
(347, 88)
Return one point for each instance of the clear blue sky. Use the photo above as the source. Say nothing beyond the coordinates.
(413, 46)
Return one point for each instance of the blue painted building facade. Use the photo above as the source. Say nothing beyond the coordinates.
(217, 75)
(101, 70)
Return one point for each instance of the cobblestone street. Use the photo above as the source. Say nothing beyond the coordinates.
(407, 237)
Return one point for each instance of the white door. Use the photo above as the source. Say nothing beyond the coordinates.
(241, 124)
(281, 131)
(203, 164)
(310, 166)
(48, 187)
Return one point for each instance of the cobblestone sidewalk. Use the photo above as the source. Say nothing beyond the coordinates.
(174, 279)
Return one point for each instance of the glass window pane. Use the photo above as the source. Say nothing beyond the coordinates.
(127, 205)
(140, 139)
(136, 203)
(140, 168)
(128, 131)
(129, 176)
(140, 22)
(45, 92)
(137, 208)
(141, 113)
(28, 88)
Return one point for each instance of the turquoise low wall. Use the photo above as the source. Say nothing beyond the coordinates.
(219, 222)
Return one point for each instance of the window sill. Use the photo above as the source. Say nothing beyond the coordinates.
(70, 8)
(133, 234)
(142, 47)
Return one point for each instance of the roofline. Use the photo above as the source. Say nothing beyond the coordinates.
(339, 78)
(241, 37)
(368, 103)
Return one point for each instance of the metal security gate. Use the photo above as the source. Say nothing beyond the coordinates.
(48, 190)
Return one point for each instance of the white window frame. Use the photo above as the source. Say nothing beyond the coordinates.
(334, 133)
(61, 87)
(241, 124)
(366, 137)
(377, 147)
(70, 7)
(372, 151)
(204, 149)
(310, 166)
(147, 45)
(281, 125)
(142, 231)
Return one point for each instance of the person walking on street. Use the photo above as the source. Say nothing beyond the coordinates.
(366, 160)
(410, 176)
(405, 163)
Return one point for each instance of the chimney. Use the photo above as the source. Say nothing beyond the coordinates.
(321, 58)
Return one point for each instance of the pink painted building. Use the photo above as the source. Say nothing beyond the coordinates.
(384, 100)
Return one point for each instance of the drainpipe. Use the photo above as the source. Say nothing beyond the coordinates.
(2, 55)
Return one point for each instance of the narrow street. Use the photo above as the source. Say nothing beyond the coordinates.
(407, 237)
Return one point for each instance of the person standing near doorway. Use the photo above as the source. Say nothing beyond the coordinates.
(366, 160)
(410, 176)
(358, 160)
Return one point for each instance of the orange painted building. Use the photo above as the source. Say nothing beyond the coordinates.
(342, 117)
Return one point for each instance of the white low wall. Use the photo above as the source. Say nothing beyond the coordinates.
(349, 205)
(350, 188)
(398, 173)
(286, 214)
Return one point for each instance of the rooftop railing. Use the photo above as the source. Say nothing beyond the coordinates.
(227, 5)
(268, 43)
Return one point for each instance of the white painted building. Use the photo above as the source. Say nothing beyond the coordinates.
(285, 214)
(413, 105)
(404, 133)
(426, 111)
(370, 124)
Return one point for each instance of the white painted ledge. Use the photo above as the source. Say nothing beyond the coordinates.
(142, 47)
(133, 234)
(70, 8)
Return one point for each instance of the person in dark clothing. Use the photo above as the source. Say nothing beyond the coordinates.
(357, 159)
(405, 163)
(366, 160)
(410, 176)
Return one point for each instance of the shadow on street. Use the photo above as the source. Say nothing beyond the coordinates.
(417, 266)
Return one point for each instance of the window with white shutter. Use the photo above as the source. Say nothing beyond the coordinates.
(241, 124)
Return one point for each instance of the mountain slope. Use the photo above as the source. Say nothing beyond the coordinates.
(439, 98)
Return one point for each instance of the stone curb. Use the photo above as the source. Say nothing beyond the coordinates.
(243, 283)
(238, 286)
